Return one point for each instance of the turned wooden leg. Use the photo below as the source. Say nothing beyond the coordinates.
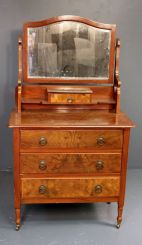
(18, 218)
(17, 181)
(119, 217)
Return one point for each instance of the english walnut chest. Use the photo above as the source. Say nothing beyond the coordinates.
(70, 137)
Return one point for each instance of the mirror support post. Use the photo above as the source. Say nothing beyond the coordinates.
(117, 82)
(19, 74)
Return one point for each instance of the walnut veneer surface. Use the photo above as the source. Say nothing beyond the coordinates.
(71, 166)
(69, 118)
(74, 164)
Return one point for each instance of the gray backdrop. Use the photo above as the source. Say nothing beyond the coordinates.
(126, 14)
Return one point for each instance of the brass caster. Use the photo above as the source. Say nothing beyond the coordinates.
(118, 226)
(17, 227)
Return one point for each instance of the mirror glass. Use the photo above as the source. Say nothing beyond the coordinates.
(68, 49)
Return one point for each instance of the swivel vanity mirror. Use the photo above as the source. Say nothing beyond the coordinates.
(68, 50)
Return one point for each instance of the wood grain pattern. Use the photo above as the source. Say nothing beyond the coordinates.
(123, 174)
(17, 180)
(71, 139)
(70, 163)
(70, 119)
(36, 97)
(36, 92)
(16, 144)
(20, 77)
(68, 200)
(70, 188)
(70, 98)
(116, 77)
(43, 105)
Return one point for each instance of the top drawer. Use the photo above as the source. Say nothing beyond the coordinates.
(70, 98)
(70, 95)
(63, 139)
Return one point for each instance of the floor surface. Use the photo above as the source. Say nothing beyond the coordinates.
(72, 224)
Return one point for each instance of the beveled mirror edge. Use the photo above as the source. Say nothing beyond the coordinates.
(111, 27)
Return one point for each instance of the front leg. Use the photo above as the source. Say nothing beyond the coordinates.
(18, 218)
(119, 217)
(17, 183)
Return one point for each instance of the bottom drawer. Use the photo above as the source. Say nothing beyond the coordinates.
(70, 188)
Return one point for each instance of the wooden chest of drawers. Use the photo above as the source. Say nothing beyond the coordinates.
(63, 163)
(58, 155)
(70, 136)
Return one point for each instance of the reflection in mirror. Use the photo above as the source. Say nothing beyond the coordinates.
(68, 49)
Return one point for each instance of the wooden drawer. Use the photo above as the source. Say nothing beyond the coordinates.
(69, 163)
(59, 139)
(70, 188)
(70, 98)
(69, 95)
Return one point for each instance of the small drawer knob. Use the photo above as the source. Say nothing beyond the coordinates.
(70, 100)
(42, 165)
(42, 189)
(99, 164)
(100, 141)
(42, 141)
(98, 189)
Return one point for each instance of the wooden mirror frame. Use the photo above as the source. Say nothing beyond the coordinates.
(67, 80)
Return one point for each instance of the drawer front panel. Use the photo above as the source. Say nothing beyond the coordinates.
(94, 139)
(70, 188)
(70, 163)
(70, 98)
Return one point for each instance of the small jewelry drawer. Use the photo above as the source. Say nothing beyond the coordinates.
(70, 187)
(70, 163)
(75, 139)
(70, 98)
(73, 95)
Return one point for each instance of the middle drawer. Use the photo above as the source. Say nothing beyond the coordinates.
(70, 163)
(75, 139)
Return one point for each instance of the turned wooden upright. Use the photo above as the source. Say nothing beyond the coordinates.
(70, 137)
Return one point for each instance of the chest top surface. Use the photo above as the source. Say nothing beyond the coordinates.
(69, 119)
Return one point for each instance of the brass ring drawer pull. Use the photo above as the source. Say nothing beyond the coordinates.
(70, 100)
(100, 141)
(99, 164)
(42, 141)
(42, 189)
(98, 189)
(42, 165)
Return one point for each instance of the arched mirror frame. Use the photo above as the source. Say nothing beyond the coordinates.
(110, 27)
